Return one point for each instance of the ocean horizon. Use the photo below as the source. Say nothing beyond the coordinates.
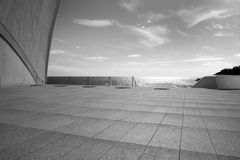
(144, 81)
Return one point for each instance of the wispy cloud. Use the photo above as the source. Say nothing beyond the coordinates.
(161, 63)
(131, 5)
(223, 34)
(59, 40)
(152, 36)
(205, 59)
(217, 64)
(57, 51)
(208, 48)
(152, 17)
(99, 58)
(195, 16)
(183, 33)
(94, 23)
(134, 55)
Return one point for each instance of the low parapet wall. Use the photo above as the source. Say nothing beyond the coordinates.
(84, 80)
(207, 82)
(228, 81)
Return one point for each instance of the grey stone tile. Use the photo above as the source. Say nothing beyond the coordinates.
(29, 118)
(141, 134)
(233, 123)
(167, 137)
(189, 155)
(172, 119)
(153, 117)
(56, 149)
(176, 110)
(215, 123)
(193, 121)
(70, 110)
(154, 153)
(30, 145)
(124, 151)
(7, 128)
(117, 131)
(161, 109)
(7, 115)
(18, 136)
(93, 150)
(197, 140)
(86, 126)
(226, 142)
(209, 112)
(49, 122)
(229, 113)
(135, 116)
(192, 111)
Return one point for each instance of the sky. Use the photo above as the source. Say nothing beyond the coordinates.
(145, 38)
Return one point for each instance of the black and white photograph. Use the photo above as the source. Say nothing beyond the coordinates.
(119, 79)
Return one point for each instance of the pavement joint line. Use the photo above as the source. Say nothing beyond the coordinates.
(145, 148)
(209, 136)
(28, 139)
(42, 146)
(238, 136)
(181, 132)
(23, 128)
(119, 140)
(20, 128)
(89, 138)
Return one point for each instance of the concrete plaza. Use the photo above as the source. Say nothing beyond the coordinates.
(104, 123)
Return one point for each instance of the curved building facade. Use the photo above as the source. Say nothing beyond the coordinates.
(26, 28)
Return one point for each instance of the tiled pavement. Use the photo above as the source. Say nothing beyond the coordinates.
(104, 123)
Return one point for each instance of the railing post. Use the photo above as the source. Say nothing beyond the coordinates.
(109, 81)
(88, 80)
(132, 81)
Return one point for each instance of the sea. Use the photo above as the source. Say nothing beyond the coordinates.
(166, 82)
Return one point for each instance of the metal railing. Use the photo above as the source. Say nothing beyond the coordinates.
(98, 81)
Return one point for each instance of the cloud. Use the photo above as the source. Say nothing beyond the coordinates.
(152, 36)
(59, 40)
(77, 47)
(97, 58)
(217, 64)
(134, 55)
(237, 55)
(152, 17)
(205, 59)
(94, 23)
(183, 33)
(131, 5)
(217, 26)
(161, 63)
(223, 34)
(197, 15)
(56, 51)
(208, 48)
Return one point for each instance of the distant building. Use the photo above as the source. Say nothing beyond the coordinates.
(26, 28)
